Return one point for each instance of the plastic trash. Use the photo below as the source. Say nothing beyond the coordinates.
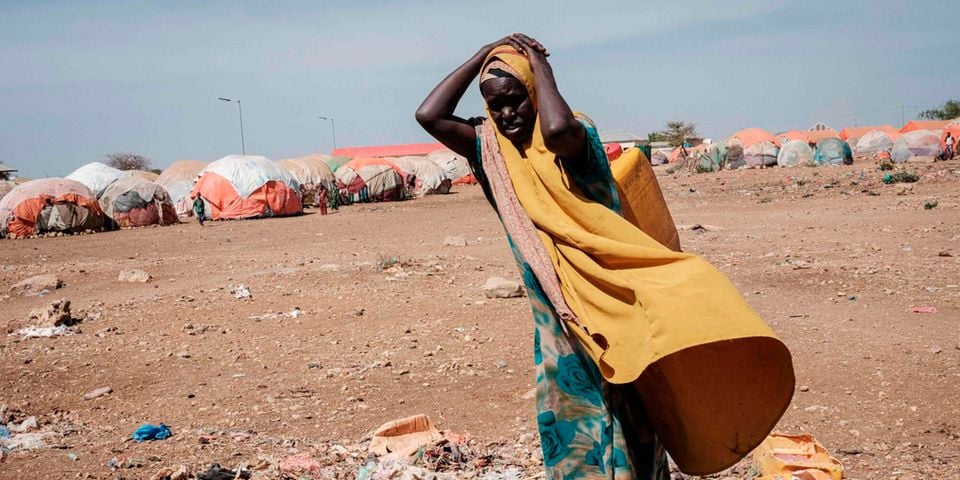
(151, 432)
(216, 472)
(795, 457)
(923, 310)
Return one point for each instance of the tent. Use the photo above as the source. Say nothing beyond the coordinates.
(795, 153)
(953, 128)
(313, 172)
(382, 181)
(336, 162)
(134, 202)
(832, 151)
(660, 157)
(814, 136)
(428, 177)
(934, 125)
(50, 205)
(178, 180)
(455, 167)
(148, 176)
(752, 147)
(915, 143)
(858, 132)
(710, 158)
(874, 142)
(247, 186)
(96, 176)
(785, 137)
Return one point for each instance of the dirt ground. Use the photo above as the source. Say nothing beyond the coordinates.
(832, 258)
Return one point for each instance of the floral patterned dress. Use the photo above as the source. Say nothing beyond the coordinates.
(589, 428)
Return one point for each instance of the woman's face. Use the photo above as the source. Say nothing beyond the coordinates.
(510, 108)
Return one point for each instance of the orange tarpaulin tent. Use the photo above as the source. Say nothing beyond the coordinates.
(814, 136)
(932, 125)
(21, 209)
(793, 135)
(247, 186)
(751, 136)
(858, 132)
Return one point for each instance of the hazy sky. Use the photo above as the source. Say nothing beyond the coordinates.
(82, 79)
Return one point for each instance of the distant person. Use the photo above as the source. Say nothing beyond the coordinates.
(199, 209)
(609, 302)
(335, 200)
(323, 199)
(949, 147)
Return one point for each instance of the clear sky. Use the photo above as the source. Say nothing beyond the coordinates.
(82, 79)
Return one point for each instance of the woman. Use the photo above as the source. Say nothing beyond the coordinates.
(634, 343)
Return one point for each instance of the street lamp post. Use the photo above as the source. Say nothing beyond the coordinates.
(243, 144)
(333, 128)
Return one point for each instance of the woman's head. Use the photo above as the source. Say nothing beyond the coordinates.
(506, 84)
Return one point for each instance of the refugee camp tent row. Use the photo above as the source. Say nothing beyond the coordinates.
(247, 186)
(752, 147)
(178, 180)
(50, 205)
(875, 142)
(96, 176)
(132, 201)
(313, 172)
(915, 143)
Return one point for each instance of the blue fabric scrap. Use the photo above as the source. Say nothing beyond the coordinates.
(151, 432)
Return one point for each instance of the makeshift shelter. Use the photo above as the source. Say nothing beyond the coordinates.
(178, 180)
(660, 157)
(96, 176)
(752, 147)
(336, 162)
(814, 136)
(370, 179)
(134, 202)
(148, 176)
(247, 186)
(833, 151)
(455, 167)
(710, 158)
(795, 153)
(50, 205)
(916, 143)
(313, 172)
(933, 125)
(428, 178)
(873, 143)
(784, 137)
(858, 132)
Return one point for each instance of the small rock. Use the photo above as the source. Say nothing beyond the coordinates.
(804, 388)
(501, 363)
(134, 276)
(944, 253)
(530, 395)
(54, 315)
(455, 241)
(73, 457)
(97, 393)
(499, 287)
(37, 284)
(329, 268)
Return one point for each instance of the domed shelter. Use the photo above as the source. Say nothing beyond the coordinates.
(916, 143)
(134, 202)
(852, 135)
(795, 153)
(660, 157)
(178, 180)
(96, 176)
(752, 147)
(50, 205)
(313, 172)
(455, 167)
(814, 136)
(833, 151)
(710, 158)
(247, 186)
(784, 137)
(428, 178)
(874, 142)
(371, 179)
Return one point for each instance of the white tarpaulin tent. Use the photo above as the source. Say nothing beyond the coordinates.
(96, 176)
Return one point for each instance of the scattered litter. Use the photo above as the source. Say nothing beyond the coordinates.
(923, 310)
(26, 441)
(73, 457)
(295, 313)
(300, 463)
(55, 314)
(216, 472)
(43, 332)
(25, 426)
(798, 457)
(4, 432)
(241, 291)
(151, 432)
(400, 439)
(97, 393)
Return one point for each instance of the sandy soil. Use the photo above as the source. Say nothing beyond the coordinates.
(832, 258)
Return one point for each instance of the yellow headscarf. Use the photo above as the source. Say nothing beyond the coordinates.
(712, 375)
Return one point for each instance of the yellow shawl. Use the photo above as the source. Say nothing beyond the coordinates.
(712, 376)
